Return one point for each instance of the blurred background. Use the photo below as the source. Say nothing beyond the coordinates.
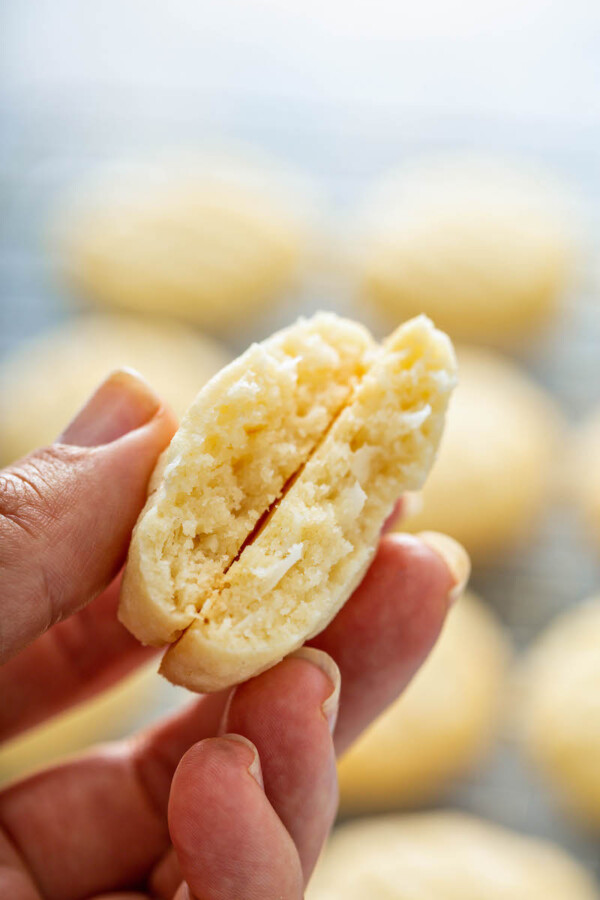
(180, 179)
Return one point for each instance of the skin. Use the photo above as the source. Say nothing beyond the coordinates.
(232, 797)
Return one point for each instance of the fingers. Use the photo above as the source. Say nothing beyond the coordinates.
(380, 638)
(385, 631)
(15, 881)
(157, 751)
(228, 838)
(289, 714)
(67, 511)
(75, 660)
(101, 820)
(87, 826)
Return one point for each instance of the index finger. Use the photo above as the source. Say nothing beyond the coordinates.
(384, 633)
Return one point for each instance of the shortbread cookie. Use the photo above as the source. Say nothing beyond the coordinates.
(266, 510)
(493, 474)
(444, 856)
(46, 379)
(559, 695)
(209, 239)
(585, 474)
(485, 249)
(441, 726)
(105, 717)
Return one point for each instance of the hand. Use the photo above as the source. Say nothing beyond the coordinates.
(231, 798)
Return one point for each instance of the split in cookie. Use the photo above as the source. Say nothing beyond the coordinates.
(266, 509)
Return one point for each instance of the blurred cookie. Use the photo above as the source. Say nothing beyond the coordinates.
(560, 708)
(104, 718)
(209, 239)
(444, 856)
(585, 474)
(443, 723)
(46, 379)
(486, 250)
(493, 472)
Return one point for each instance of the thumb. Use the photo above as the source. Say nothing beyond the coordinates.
(67, 511)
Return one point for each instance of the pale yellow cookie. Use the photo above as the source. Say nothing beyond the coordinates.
(210, 239)
(103, 718)
(585, 474)
(493, 474)
(559, 714)
(441, 726)
(483, 248)
(266, 509)
(444, 856)
(45, 380)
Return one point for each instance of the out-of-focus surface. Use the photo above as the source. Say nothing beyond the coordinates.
(444, 856)
(347, 92)
(444, 723)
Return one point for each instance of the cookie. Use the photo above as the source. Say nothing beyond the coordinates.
(266, 510)
(559, 714)
(209, 239)
(45, 380)
(492, 478)
(441, 726)
(483, 248)
(584, 476)
(444, 856)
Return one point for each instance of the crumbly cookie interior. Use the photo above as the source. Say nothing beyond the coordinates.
(249, 432)
(322, 534)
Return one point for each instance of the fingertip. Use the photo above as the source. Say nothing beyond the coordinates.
(455, 558)
(214, 758)
(156, 433)
(290, 712)
(435, 560)
(131, 459)
(254, 767)
(123, 402)
(330, 669)
(227, 837)
(386, 629)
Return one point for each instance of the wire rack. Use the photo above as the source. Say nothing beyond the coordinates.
(45, 150)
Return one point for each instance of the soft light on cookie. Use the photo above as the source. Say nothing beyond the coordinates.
(493, 474)
(266, 509)
(444, 856)
(441, 726)
(584, 476)
(45, 380)
(483, 248)
(559, 715)
(212, 239)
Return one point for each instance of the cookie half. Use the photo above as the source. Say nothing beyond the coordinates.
(274, 491)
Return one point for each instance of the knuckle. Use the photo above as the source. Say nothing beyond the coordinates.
(33, 492)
